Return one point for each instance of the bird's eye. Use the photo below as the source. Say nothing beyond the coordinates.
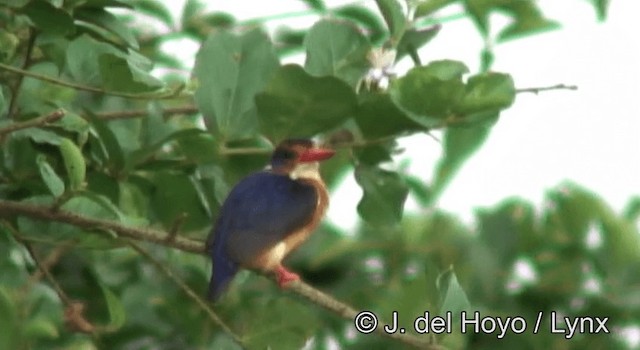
(288, 154)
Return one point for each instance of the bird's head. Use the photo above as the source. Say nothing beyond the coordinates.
(299, 158)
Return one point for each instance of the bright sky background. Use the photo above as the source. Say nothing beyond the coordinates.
(591, 136)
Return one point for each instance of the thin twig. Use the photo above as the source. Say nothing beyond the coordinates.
(42, 268)
(25, 64)
(35, 122)
(188, 291)
(143, 96)
(536, 90)
(140, 234)
(159, 237)
(138, 113)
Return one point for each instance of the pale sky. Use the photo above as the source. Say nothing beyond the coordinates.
(590, 136)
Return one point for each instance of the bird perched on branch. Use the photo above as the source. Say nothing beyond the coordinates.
(269, 214)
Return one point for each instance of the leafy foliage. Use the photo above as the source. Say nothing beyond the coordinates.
(133, 149)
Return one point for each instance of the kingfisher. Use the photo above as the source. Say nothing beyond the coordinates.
(269, 214)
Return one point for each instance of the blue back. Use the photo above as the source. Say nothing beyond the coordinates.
(260, 211)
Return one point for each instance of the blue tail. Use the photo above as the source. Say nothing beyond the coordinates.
(223, 272)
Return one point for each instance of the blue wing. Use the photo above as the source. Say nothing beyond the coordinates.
(260, 211)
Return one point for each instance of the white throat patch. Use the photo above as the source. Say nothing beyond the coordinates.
(306, 171)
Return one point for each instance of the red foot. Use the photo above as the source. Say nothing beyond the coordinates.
(285, 276)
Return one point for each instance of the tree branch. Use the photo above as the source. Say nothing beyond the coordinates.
(25, 64)
(536, 90)
(138, 113)
(160, 237)
(39, 121)
(189, 291)
(143, 96)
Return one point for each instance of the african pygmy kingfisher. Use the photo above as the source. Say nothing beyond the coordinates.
(269, 214)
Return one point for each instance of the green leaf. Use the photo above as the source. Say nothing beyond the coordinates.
(377, 116)
(527, 20)
(487, 92)
(155, 9)
(394, 16)
(292, 323)
(41, 327)
(49, 176)
(427, 7)
(106, 144)
(117, 313)
(315, 4)
(120, 74)
(454, 299)
(384, 194)
(119, 30)
(413, 39)
(74, 163)
(231, 70)
(173, 187)
(338, 49)
(368, 19)
(49, 19)
(459, 145)
(3, 102)
(8, 320)
(430, 93)
(55, 233)
(82, 59)
(297, 104)
(103, 3)
(601, 7)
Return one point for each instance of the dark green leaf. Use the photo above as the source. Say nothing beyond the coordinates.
(293, 323)
(377, 116)
(601, 7)
(394, 16)
(106, 20)
(527, 20)
(192, 8)
(454, 299)
(420, 190)
(3, 103)
(230, 70)
(315, 4)
(430, 93)
(82, 59)
(370, 20)
(459, 145)
(174, 187)
(155, 9)
(41, 327)
(48, 18)
(103, 3)
(427, 7)
(337, 49)
(49, 176)
(632, 209)
(297, 104)
(384, 194)
(288, 40)
(487, 92)
(117, 313)
(118, 74)
(56, 233)
(8, 320)
(413, 39)
(108, 144)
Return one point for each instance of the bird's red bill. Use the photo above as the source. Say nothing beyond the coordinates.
(316, 154)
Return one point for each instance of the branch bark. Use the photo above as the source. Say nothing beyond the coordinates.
(39, 121)
(300, 288)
